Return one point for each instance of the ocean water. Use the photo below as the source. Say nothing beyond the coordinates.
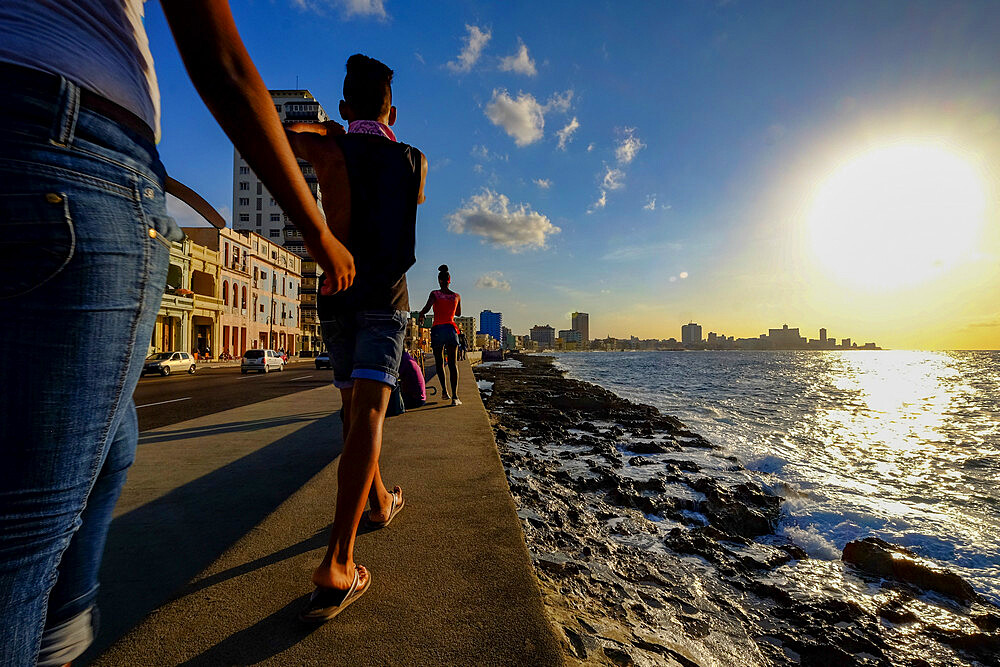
(896, 444)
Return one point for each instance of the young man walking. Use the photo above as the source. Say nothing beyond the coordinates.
(364, 326)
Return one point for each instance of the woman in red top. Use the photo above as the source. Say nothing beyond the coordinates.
(444, 333)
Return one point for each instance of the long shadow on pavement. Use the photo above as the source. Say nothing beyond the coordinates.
(154, 550)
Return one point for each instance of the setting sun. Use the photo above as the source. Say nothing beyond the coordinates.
(897, 216)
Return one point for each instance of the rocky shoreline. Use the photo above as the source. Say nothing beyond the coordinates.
(654, 546)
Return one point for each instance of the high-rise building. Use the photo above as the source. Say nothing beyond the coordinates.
(544, 335)
(571, 336)
(467, 325)
(581, 323)
(491, 323)
(255, 210)
(691, 334)
(822, 335)
(508, 339)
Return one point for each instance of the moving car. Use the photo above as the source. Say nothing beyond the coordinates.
(166, 363)
(262, 361)
(323, 360)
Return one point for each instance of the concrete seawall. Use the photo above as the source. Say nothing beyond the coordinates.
(225, 516)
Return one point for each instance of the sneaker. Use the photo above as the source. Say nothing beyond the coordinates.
(456, 401)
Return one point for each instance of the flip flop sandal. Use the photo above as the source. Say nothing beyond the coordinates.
(325, 603)
(393, 510)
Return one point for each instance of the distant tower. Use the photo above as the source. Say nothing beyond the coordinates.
(581, 323)
(822, 335)
(691, 334)
(491, 323)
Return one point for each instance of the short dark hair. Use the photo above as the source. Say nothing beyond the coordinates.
(368, 87)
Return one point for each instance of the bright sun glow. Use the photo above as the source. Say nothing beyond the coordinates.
(897, 216)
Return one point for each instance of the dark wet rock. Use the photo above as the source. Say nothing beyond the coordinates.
(878, 557)
(576, 642)
(987, 622)
(675, 553)
(618, 656)
(740, 510)
(641, 461)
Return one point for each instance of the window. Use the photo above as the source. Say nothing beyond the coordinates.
(236, 295)
(273, 203)
(260, 188)
(274, 233)
(244, 185)
(259, 203)
(244, 170)
(244, 217)
(275, 217)
(225, 292)
(244, 201)
(258, 219)
(244, 297)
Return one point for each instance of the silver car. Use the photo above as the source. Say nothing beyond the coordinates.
(166, 363)
(262, 361)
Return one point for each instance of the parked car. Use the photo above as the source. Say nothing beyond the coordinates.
(262, 361)
(166, 363)
(323, 360)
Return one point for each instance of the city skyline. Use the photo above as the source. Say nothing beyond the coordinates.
(725, 162)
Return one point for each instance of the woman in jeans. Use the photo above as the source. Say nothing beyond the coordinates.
(84, 250)
(444, 332)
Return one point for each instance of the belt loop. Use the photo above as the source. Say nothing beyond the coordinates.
(67, 111)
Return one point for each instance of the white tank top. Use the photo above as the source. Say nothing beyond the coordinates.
(99, 44)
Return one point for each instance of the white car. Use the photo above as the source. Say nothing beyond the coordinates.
(166, 363)
(262, 361)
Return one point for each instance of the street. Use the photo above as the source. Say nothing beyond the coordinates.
(167, 400)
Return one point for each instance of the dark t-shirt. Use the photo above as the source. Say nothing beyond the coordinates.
(385, 182)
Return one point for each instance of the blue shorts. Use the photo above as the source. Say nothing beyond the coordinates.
(367, 344)
(442, 335)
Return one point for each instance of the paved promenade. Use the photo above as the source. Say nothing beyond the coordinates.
(224, 517)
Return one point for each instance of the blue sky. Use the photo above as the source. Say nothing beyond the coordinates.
(650, 163)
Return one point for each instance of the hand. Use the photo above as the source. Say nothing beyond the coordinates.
(335, 260)
(332, 128)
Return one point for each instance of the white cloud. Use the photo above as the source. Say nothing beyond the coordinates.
(628, 146)
(481, 152)
(632, 252)
(590, 147)
(683, 275)
(560, 102)
(420, 58)
(543, 183)
(601, 202)
(491, 216)
(493, 280)
(522, 118)
(566, 134)
(350, 8)
(613, 178)
(650, 203)
(475, 42)
(520, 62)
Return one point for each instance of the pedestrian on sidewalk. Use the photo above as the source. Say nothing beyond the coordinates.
(364, 326)
(445, 332)
(84, 248)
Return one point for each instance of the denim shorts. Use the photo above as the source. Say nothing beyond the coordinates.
(366, 344)
(443, 335)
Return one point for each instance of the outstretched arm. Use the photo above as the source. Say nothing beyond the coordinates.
(427, 306)
(423, 179)
(231, 87)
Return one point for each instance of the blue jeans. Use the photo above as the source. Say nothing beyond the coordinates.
(367, 344)
(84, 252)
